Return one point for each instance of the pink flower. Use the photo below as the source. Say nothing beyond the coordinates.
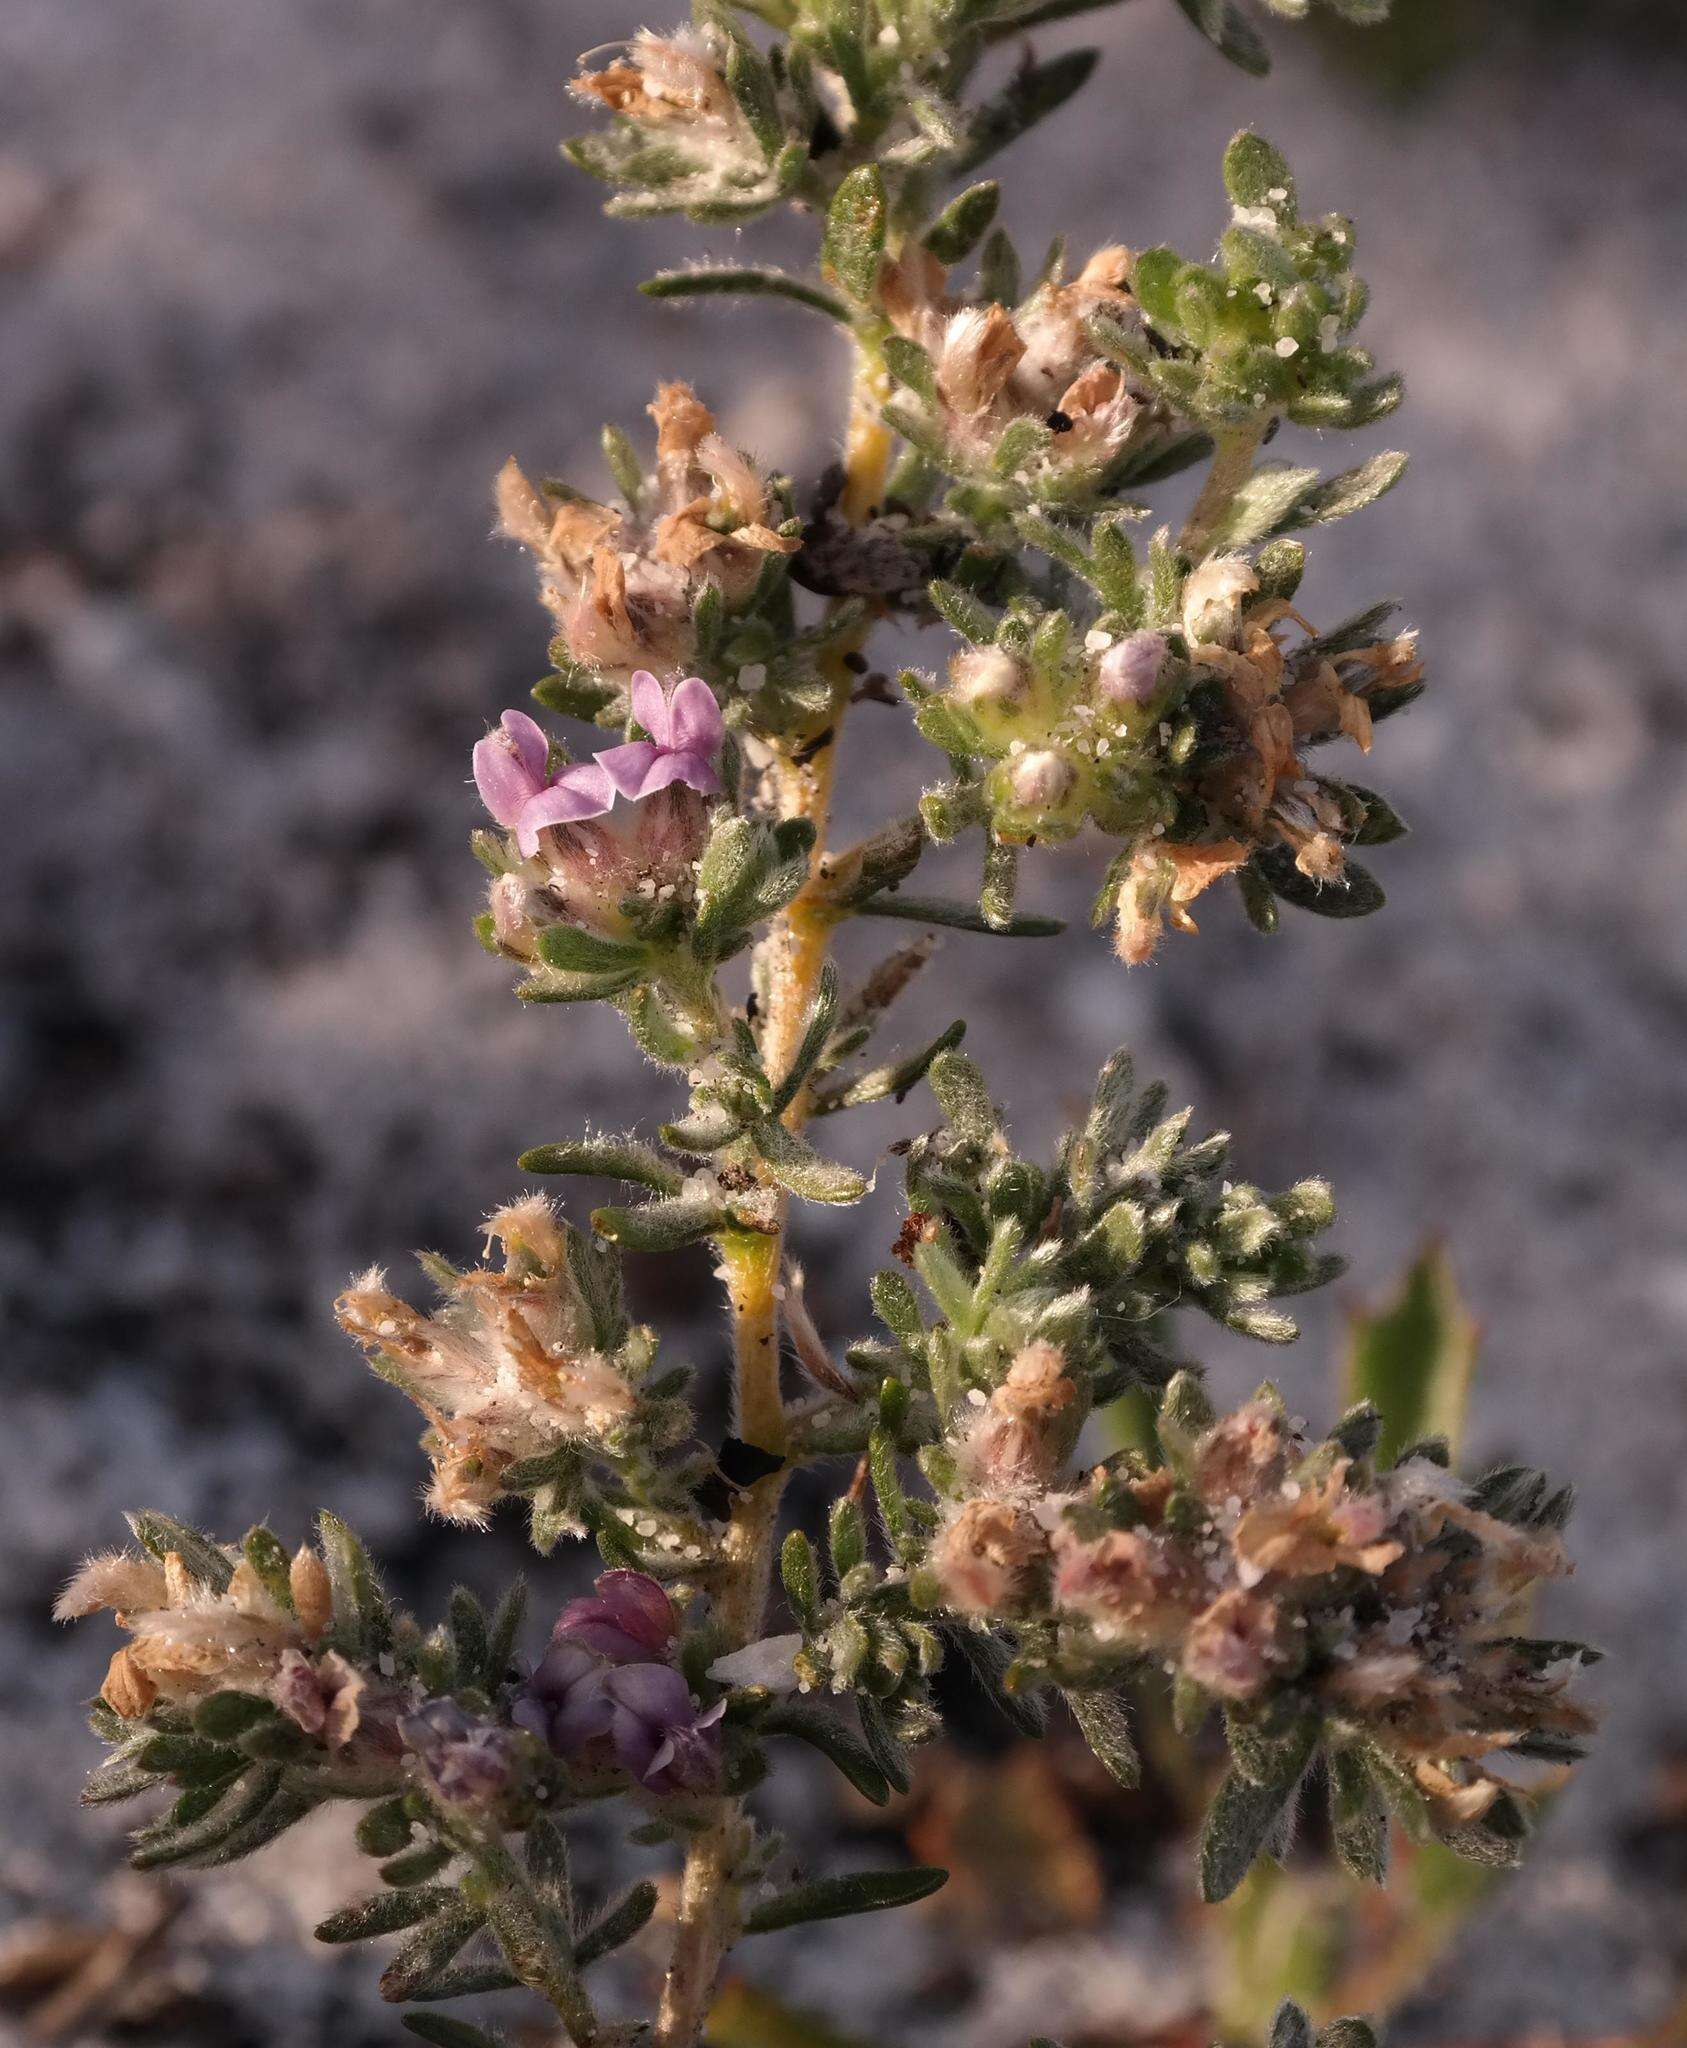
(510, 773)
(685, 731)
(511, 764)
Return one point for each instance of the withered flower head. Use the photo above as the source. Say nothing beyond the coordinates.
(621, 586)
(989, 1558)
(185, 1638)
(504, 1370)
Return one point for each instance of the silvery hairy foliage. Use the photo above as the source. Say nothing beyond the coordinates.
(1339, 1608)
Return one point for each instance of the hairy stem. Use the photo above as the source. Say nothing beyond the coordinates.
(796, 951)
(1233, 463)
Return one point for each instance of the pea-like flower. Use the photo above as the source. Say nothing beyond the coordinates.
(512, 773)
(686, 731)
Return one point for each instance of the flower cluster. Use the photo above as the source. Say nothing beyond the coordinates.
(1294, 1583)
(1021, 399)
(1177, 724)
(607, 1692)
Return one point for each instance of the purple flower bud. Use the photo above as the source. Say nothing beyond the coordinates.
(605, 1692)
(1129, 671)
(628, 1619)
(469, 1763)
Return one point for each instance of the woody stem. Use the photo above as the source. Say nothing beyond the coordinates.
(792, 957)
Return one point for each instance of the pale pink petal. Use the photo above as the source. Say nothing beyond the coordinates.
(694, 718)
(695, 770)
(650, 708)
(627, 766)
(582, 791)
(502, 778)
(526, 738)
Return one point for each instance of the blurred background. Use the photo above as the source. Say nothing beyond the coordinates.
(281, 287)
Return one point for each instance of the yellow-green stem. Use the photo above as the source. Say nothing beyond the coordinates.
(1233, 461)
(793, 956)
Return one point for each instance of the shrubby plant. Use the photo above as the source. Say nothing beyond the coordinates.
(1345, 1608)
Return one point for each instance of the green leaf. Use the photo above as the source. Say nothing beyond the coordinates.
(618, 1926)
(825, 1732)
(224, 1716)
(1266, 503)
(419, 1962)
(1030, 96)
(846, 1534)
(416, 1866)
(385, 1829)
(882, 1744)
(964, 917)
(1230, 32)
(1356, 894)
(624, 466)
(445, 2032)
(959, 1085)
(505, 1631)
(385, 1913)
(998, 269)
(361, 1624)
(666, 1225)
(202, 1559)
(1245, 1813)
(609, 1158)
(1352, 491)
(854, 241)
(222, 1828)
(1414, 1358)
(909, 364)
(750, 81)
(1106, 1728)
(731, 280)
(576, 693)
(1358, 1820)
(1290, 2028)
(800, 1577)
(267, 1555)
(964, 222)
(795, 1165)
(895, 1079)
(1257, 174)
(833, 1898)
(821, 1017)
(575, 951)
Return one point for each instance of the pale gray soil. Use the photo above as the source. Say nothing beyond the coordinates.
(281, 287)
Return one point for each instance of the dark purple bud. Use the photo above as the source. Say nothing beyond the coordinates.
(628, 1620)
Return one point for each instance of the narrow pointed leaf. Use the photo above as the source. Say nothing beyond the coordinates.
(833, 1898)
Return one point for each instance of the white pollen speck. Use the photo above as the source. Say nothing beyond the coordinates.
(1262, 292)
(1288, 346)
(1095, 640)
(1277, 194)
(976, 1396)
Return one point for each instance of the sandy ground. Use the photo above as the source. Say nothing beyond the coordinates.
(281, 287)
